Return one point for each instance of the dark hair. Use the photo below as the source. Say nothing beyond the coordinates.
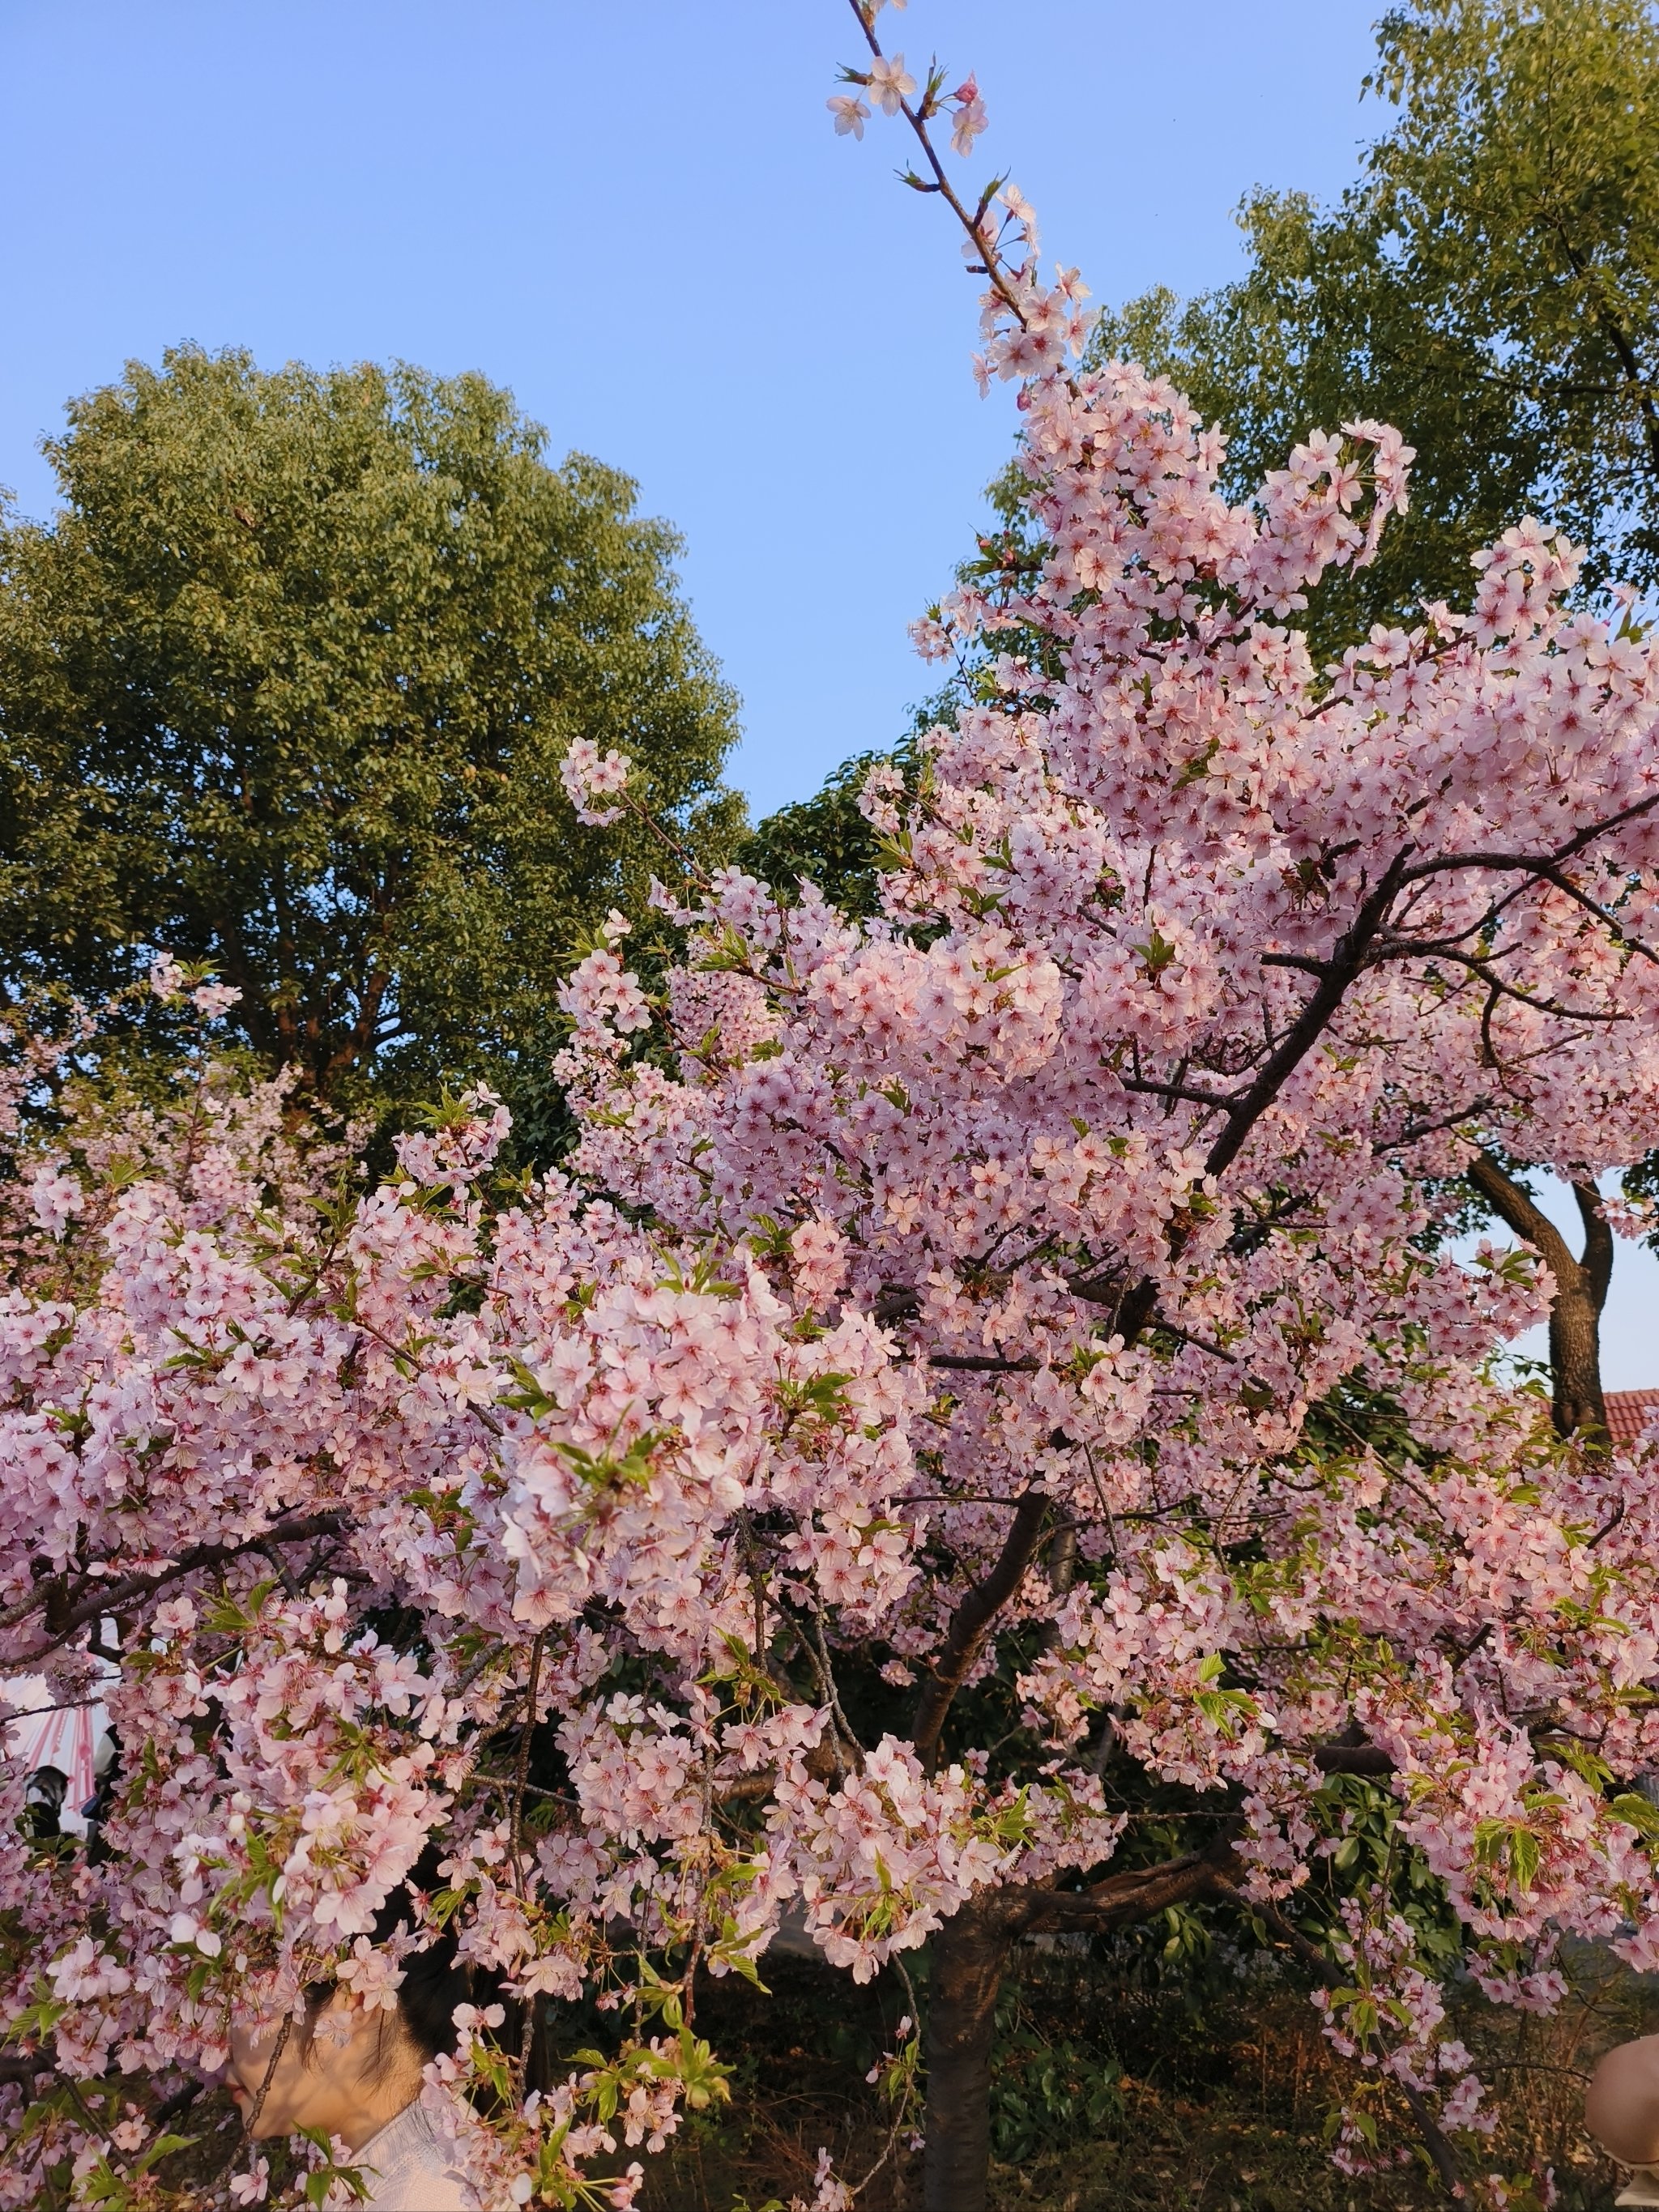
(435, 1978)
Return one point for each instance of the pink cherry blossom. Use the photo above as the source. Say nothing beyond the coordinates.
(1028, 1315)
(588, 775)
(850, 113)
(969, 119)
(890, 83)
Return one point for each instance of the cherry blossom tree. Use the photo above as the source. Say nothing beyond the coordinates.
(987, 1375)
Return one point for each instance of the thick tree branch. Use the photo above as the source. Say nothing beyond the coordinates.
(1348, 957)
(1518, 1210)
(1137, 1894)
(1597, 1259)
(1578, 1403)
(971, 1623)
(1532, 864)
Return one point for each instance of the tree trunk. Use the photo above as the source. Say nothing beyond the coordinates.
(969, 1954)
(1577, 1406)
(1576, 1326)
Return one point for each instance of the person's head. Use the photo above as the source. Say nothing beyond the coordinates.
(349, 2068)
(1621, 2105)
(346, 2071)
(47, 1785)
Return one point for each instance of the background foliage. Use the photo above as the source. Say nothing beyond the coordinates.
(285, 688)
(1489, 283)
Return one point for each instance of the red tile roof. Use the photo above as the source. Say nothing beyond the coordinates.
(1629, 1412)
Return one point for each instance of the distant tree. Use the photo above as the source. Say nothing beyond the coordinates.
(825, 838)
(284, 689)
(1490, 283)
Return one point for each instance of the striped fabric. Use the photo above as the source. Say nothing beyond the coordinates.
(63, 1737)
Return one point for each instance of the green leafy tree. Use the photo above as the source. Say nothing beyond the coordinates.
(825, 838)
(1489, 283)
(285, 687)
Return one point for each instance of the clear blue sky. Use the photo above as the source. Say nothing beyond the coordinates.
(638, 217)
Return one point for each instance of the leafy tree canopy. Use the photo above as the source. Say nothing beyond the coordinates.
(825, 838)
(284, 689)
(1490, 283)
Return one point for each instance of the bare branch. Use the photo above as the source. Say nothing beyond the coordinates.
(1182, 1092)
(1485, 970)
(1138, 1893)
(1532, 863)
(1348, 957)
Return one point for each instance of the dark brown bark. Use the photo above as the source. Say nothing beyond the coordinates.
(65, 1610)
(968, 1957)
(1577, 1405)
(1349, 956)
(971, 1624)
(1353, 1759)
(1137, 1894)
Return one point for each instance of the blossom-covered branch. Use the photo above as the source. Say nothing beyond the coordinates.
(908, 1437)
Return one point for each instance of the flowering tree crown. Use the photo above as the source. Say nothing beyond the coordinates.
(979, 1364)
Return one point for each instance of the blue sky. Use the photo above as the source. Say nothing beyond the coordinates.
(638, 217)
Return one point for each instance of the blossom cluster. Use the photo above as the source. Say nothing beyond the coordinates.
(976, 1362)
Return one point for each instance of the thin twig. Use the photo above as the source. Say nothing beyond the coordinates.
(521, 1772)
(252, 2121)
(942, 185)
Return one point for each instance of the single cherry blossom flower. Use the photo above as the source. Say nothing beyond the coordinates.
(850, 113)
(890, 83)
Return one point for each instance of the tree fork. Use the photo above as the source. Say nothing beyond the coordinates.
(971, 1624)
(969, 1958)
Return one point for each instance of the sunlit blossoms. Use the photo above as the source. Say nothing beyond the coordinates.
(591, 777)
(977, 1364)
(1199, 969)
(850, 114)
